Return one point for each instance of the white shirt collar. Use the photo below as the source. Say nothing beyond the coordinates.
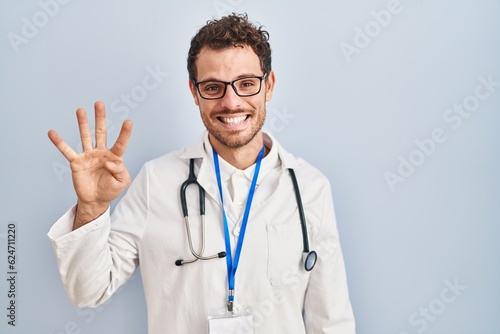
(270, 161)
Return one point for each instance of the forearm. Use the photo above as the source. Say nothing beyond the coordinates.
(87, 212)
(327, 305)
(84, 259)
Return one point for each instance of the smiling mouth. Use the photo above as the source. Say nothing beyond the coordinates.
(233, 120)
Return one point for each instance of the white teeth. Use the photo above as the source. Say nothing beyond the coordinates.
(233, 120)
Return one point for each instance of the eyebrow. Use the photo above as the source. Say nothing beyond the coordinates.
(241, 76)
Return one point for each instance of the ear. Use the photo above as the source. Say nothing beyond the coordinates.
(269, 82)
(194, 92)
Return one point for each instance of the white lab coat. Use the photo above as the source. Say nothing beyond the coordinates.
(147, 228)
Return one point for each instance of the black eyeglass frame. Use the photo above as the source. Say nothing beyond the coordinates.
(231, 83)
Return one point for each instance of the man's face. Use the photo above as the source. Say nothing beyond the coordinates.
(232, 120)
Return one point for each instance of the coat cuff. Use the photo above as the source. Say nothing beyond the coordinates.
(62, 230)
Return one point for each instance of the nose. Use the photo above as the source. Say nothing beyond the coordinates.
(231, 100)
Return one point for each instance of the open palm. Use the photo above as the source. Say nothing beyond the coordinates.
(99, 174)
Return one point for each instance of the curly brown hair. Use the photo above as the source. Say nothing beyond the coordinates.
(231, 30)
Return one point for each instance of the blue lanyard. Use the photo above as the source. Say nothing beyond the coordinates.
(232, 266)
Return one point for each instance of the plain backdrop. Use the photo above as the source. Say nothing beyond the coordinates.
(397, 102)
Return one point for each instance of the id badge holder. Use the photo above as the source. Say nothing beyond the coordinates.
(240, 321)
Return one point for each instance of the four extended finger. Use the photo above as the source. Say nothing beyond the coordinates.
(100, 125)
(61, 145)
(122, 141)
(83, 125)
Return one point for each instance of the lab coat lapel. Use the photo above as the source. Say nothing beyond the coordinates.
(206, 178)
(204, 169)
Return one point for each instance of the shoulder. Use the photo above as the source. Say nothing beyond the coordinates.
(307, 174)
(310, 178)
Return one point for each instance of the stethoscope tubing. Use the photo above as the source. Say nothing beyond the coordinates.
(309, 257)
(302, 216)
(197, 255)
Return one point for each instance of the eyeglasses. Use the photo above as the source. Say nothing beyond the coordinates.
(244, 87)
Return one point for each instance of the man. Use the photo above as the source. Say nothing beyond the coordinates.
(259, 283)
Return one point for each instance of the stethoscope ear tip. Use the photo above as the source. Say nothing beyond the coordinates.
(178, 263)
(221, 255)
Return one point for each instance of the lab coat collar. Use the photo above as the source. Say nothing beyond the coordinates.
(196, 150)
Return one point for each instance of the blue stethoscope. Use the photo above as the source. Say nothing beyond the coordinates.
(309, 257)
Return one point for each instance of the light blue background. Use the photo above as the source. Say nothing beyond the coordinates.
(351, 116)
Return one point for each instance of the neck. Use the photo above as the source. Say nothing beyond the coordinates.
(241, 157)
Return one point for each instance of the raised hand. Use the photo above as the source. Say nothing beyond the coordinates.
(99, 174)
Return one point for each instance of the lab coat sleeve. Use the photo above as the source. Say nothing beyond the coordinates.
(327, 307)
(96, 259)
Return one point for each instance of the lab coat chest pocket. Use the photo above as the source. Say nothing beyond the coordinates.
(285, 246)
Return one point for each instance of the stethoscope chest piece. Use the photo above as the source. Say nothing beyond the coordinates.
(309, 260)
